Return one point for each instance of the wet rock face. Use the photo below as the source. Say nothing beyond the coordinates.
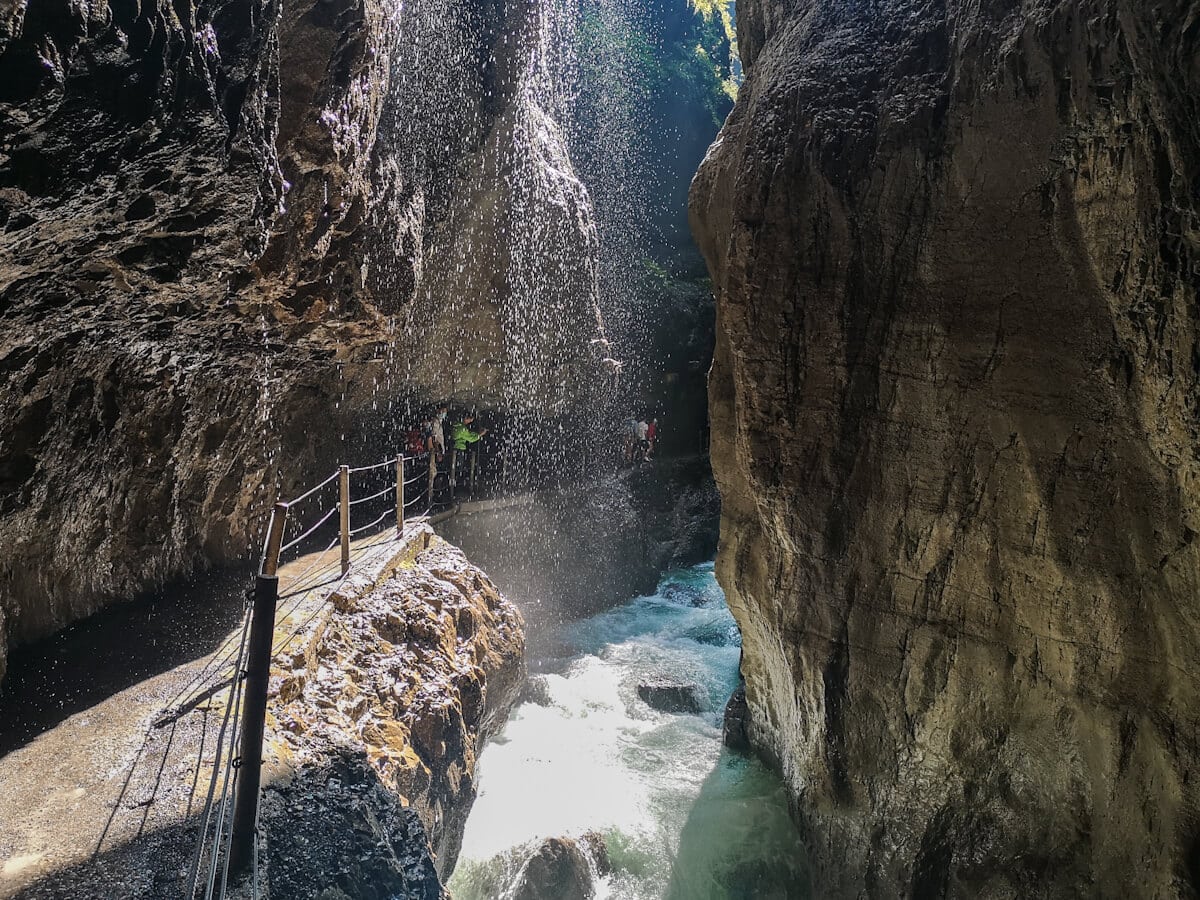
(735, 725)
(335, 830)
(956, 253)
(211, 217)
(673, 697)
(507, 312)
(136, 173)
(562, 869)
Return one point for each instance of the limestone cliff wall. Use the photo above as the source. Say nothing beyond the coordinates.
(956, 249)
(214, 217)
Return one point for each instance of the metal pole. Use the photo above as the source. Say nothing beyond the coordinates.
(254, 698)
(400, 496)
(254, 712)
(453, 468)
(344, 484)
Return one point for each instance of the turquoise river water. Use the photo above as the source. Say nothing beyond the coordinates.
(681, 816)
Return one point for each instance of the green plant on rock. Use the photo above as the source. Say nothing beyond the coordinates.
(687, 55)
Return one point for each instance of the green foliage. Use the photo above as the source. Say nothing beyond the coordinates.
(690, 64)
(717, 9)
(706, 71)
(656, 272)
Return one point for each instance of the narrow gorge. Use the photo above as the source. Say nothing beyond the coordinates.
(380, 381)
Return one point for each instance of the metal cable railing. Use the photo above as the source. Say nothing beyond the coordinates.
(202, 842)
(227, 838)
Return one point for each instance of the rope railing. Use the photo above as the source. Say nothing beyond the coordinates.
(312, 490)
(370, 525)
(357, 469)
(298, 583)
(390, 489)
(295, 541)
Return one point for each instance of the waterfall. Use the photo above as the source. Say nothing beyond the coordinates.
(507, 290)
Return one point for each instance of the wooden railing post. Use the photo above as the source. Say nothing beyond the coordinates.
(453, 470)
(344, 485)
(474, 466)
(400, 495)
(270, 564)
(254, 698)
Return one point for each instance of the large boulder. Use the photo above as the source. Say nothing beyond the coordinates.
(673, 696)
(383, 690)
(422, 670)
(559, 870)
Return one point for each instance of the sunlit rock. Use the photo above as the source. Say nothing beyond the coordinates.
(381, 697)
(418, 672)
(956, 258)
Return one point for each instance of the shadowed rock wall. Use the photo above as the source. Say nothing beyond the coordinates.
(137, 173)
(956, 249)
(210, 217)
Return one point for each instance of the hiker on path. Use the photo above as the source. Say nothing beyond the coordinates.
(629, 435)
(463, 434)
(438, 430)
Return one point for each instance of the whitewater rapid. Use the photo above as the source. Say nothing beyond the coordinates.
(681, 816)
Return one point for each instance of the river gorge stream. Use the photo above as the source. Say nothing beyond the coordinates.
(681, 816)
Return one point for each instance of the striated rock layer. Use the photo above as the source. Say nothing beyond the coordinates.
(212, 218)
(956, 249)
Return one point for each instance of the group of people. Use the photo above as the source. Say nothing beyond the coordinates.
(641, 435)
(434, 437)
